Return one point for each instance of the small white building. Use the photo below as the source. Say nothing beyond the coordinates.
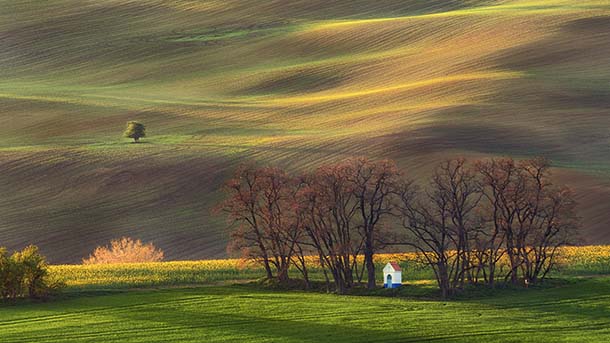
(392, 275)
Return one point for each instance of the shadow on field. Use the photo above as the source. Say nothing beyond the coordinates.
(579, 300)
(243, 312)
(565, 309)
(276, 316)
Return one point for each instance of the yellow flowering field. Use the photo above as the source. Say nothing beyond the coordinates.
(155, 273)
(593, 259)
(571, 261)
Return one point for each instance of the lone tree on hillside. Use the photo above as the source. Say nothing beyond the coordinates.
(135, 130)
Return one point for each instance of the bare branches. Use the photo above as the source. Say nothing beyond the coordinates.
(469, 218)
(373, 185)
(531, 215)
(328, 210)
(442, 221)
(260, 201)
(465, 222)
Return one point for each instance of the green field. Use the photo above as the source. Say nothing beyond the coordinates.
(576, 311)
(219, 301)
(293, 83)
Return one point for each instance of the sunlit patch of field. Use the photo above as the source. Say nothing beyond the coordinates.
(571, 261)
(188, 301)
(294, 84)
(155, 274)
(204, 272)
(574, 312)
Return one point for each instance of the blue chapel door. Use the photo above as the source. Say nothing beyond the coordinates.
(389, 281)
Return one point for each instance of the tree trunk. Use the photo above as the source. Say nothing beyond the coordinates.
(510, 250)
(443, 279)
(368, 260)
(282, 276)
(341, 287)
(326, 278)
(267, 269)
(370, 268)
(492, 273)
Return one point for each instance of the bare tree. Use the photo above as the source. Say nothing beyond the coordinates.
(328, 208)
(548, 223)
(373, 185)
(260, 201)
(505, 187)
(530, 215)
(425, 222)
(456, 185)
(442, 221)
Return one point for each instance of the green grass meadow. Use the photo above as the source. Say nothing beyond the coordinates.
(224, 301)
(574, 311)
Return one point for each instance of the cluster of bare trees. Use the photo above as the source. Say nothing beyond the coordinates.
(478, 222)
(472, 218)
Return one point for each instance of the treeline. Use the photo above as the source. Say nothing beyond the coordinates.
(24, 274)
(466, 222)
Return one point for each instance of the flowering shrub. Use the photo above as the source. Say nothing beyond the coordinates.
(125, 250)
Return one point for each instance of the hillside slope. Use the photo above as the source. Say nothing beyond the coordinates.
(294, 83)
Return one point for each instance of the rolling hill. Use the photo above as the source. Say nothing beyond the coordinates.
(293, 83)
